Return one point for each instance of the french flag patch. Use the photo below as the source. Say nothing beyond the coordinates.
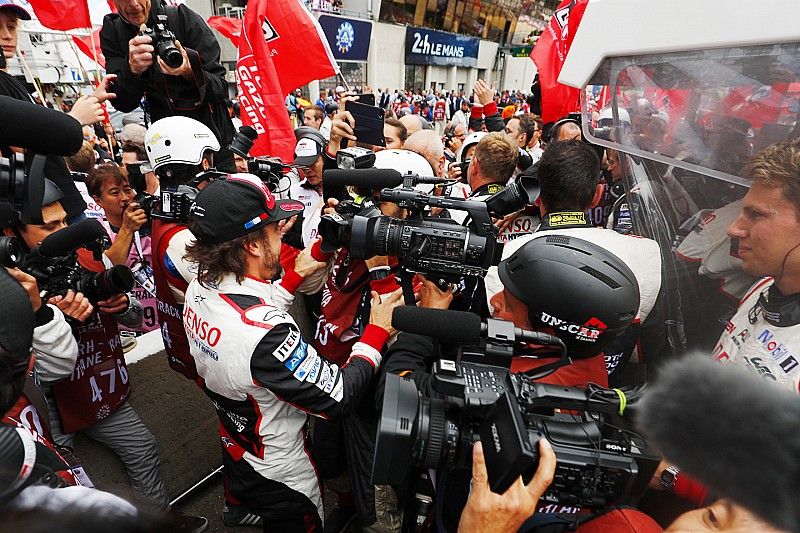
(260, 218)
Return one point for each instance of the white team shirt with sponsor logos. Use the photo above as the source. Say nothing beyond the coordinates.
(766, 350)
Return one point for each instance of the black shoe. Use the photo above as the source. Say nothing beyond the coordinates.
(238, 516)
(340, 519)
(191, 523)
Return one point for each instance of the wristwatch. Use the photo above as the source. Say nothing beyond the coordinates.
(379, 273)
(668, 477)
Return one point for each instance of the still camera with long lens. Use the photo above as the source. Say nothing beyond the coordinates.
(600, 461)
(55, 266)
(164, 42)
(271, 170)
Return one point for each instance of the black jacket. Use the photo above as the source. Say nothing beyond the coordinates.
(201, 98)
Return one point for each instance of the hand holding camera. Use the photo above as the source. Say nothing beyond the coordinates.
(380, 313)
(134, 217)
(140, 52)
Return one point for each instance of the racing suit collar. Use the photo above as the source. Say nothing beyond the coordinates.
(564, 219)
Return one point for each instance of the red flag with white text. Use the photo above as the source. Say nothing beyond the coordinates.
(300, 51)
(260, 92)
(230, 27)
(549, 54)
(62, 14)
(91, 47)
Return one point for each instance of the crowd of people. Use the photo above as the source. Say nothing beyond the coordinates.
(287, 327)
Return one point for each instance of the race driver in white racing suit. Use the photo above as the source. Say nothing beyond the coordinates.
(259, 372)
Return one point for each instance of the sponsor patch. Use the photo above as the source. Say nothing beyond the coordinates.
(313, 372)
(303, 370)
(325, 377)
(338, 391)
(288, 346)
(297, 357)
(334, 374)
(567, 219)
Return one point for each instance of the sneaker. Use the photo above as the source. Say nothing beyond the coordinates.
(128, 340)
(191, 523)
(339, 519)
(238, 516)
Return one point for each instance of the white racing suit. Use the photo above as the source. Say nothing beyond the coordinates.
(264, 380)
(750, 341)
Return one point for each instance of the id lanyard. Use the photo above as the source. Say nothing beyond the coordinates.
(142, 271)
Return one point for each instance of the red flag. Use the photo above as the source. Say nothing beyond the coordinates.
(260, 92)
(549, 54)
(112, 6)
(298, 45)
(62, 14)
(85, 45)
(228, 26)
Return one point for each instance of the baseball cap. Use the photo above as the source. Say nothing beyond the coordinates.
(233, 207)
(20, 11)
(310, 144)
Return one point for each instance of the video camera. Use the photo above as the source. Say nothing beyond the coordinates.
(437, 247)
(600, 462)
(271, 170)
(23, 188)
(54, 263)
(164, 42)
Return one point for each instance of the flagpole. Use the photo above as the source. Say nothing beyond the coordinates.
(344, 81)
(78, 56)
(36, 81)
(94, 52)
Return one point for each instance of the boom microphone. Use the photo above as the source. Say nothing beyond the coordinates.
(372, 178)
(65, 240)
(734, 431)
(38, 128)
(462, 327)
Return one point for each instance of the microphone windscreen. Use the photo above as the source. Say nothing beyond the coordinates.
(366, 178)
(65, 240)
(734, 431)
(444, 325)
(38, 128)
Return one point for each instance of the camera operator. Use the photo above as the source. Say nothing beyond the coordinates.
(125, 224)
(194, 87)
(86, 110)
(251, 356)
(308, 155)
(179, 148)
(95, 397)
(454, 136)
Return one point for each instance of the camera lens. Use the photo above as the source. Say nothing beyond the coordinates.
(10, 252)
(169, 53)
(103, 285)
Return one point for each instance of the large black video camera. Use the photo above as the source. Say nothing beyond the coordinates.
(600, 461)
(437, 247)
(21, 187)
(164, 42)
(55, 266)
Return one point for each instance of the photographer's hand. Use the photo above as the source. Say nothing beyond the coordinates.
(342, 127)
(87, 110)
(330, 206)
(488, 512)
(28, 283)
(185, 68)
(432, 297)
(116, 304)
(133, 217)
(454, 172)
(73, 304)
(380, 313)
(140, 53)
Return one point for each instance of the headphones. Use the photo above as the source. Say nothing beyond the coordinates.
(779, 310)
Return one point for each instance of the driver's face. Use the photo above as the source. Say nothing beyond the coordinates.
(313, 174)
(134, 11)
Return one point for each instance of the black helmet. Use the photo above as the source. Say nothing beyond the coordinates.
(9, 216)
(331, 107)
(574, 289)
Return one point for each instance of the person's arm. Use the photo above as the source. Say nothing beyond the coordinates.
(54, 347)
(294, 371)
(133, 219)
(129, 87)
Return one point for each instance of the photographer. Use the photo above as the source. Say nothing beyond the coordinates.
(195, 87)
(179, 148)
(308, 155)
(95, 397)
(125, 224)
(252, 358)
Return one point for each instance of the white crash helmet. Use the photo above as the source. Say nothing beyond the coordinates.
(405, 161)
(607, 117)
(470, 140)
(178, 140)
